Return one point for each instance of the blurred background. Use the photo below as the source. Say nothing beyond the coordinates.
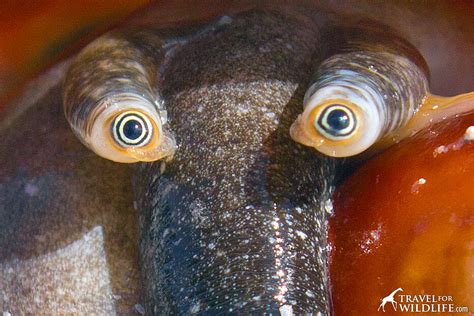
(34, 34)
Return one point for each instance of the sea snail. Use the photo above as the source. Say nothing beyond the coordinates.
(370, 87)
(110, 99)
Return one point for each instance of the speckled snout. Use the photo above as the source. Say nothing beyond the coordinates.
(235, 222)
(252, 259)
(237, 232)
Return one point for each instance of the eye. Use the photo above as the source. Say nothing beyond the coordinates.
(132, 129)
(116, 112)
(336, 122)
(366, 91)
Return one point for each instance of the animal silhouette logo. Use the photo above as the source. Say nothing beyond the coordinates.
(389, 298)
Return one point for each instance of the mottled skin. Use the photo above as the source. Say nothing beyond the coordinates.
(237, 217)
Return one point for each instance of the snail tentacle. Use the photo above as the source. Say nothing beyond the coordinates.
(110, 97)
(367, 89)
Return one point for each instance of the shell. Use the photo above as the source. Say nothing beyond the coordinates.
(280, 171)
(371, 75)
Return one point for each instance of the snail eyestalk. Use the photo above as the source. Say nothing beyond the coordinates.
(110, 99)
(364, 91)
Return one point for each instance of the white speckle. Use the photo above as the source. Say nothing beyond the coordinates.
(469, 134)
(257, 298)
(371, 240)
(270, 115)
(279, 297)
(139, 309)
(415, 187)
(375, 234)
(440, 150)
(301, 234)
(275, 225)
(372, 68)
(31, 189)
(286, 310)
(37, 299)
(162, 167)
(211, 246)
(195, 308)
(283, 289)
(435, 107)
(225, 20)
(309, 293)
(328, 207)
(242, 110)
(6, 313)
(200, 108)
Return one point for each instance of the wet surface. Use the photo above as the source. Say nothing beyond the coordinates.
(412, 225)
(58, 199)
(235, 222)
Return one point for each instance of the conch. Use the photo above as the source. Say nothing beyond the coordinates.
(223, 117)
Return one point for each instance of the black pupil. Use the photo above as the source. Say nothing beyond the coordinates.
(338, 120)
(132, 129)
